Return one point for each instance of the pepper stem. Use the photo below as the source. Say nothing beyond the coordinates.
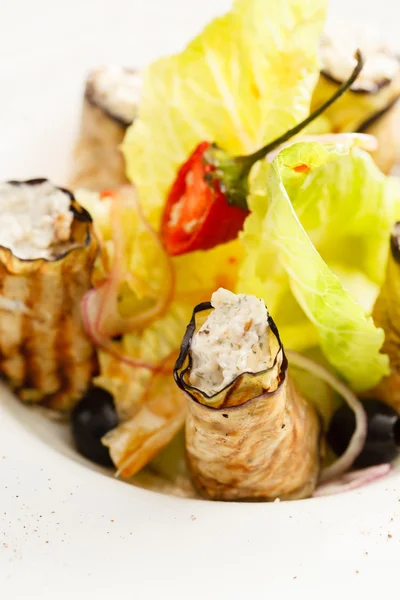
(248, 160)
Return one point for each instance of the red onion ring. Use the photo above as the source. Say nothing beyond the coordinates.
(352, 480)
(104, 343)
(102, 304)
(356, 444)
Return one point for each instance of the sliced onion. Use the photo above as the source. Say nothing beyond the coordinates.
(358, 438)
(362, 140)
(352, 480)
(102, 313)
(104, 343)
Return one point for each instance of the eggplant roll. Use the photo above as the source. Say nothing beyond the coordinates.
(47, 252)
(109, 106)
(386, 314)
(385, 126)
(372, 96)
(249, 434)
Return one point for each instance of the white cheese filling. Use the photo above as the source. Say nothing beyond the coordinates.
(232, 341)
(118, 91)
(337, 48)
(33, 218)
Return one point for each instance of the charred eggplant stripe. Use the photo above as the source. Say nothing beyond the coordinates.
(72, 366)
(90, 97)
(365, 125)
(11, 354)
(35, 181)
(185, 353)
(2, 356)
(60, 348)
(395, 245)
(80, 213)
(50, 362)
(230, 392)
(28, 351)
(359, 91)
(187, 338)
(58, 258)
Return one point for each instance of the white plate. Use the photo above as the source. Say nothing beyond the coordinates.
(68, 529)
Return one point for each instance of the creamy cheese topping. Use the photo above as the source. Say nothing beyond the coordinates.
(337, 48)
(33, 218)
(232, 341)
(117, 90)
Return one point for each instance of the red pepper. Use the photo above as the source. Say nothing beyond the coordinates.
(197, 215)
(206, 205)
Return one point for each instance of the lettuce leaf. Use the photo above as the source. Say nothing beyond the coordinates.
(320, 219)
(247, 78)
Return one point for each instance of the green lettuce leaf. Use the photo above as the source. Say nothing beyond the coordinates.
(317, 234)
(247, 78)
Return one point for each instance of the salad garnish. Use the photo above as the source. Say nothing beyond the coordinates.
(243, 81)
(357, 439)
(103, 319)
(325, 249)
(207, 204)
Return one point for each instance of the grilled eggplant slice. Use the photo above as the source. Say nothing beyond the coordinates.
(385, 126)
(255, 438)
(386, 314)
(47, 252)
(109, 106)
(369, 105)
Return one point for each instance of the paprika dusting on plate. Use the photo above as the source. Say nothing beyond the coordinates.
(206, 205)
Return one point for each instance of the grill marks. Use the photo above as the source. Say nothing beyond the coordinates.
(62, 344)
(29, 334)
(12, 326)
(2, 357)
(74, 358)
(44, 351)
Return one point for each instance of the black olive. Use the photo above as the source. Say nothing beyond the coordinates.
(383, 433)
(92, 418)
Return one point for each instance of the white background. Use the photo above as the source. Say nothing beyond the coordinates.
(69, 532)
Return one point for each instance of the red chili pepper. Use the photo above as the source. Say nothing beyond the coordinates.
(206, 205)
(197, 215)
